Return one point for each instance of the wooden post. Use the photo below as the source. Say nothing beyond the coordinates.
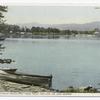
(50, 82)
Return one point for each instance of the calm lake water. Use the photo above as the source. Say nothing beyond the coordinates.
(71, 62)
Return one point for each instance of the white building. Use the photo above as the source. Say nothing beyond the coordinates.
(97, 33)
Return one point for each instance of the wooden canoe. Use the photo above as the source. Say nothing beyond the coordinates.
(2, 38)
(9, 70)
(8, 61)
(36, 80)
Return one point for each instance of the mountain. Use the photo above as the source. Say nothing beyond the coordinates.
(80, 27)
(30, 25)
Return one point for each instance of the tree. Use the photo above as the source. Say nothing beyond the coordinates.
(2, 28)
(2, 10)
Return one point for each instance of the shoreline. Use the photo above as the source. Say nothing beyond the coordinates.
(6, 86)
(29, 39)
(13, 88)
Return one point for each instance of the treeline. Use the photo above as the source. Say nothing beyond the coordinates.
(4, 28)
(13, 29)
(16, 30)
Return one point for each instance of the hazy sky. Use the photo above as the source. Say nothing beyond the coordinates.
(52, 14)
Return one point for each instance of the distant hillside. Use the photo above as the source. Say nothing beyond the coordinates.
(29, 25)
(80, 27)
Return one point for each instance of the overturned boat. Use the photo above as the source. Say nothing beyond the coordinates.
(21, 78)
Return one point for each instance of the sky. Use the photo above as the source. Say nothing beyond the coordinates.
(52, 14)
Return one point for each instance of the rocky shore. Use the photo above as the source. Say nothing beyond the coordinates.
(22, 89)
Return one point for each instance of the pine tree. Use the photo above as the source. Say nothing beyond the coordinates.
(2, 26)
(2, 10)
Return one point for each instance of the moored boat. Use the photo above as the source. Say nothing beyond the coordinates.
(9, 70)
(2, 39)
(36, 80)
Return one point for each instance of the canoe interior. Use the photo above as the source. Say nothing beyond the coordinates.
(36, 80)
(9, 70)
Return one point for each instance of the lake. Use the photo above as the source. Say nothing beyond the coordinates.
(72, 62)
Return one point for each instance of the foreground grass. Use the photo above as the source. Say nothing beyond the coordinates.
(88, 89)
